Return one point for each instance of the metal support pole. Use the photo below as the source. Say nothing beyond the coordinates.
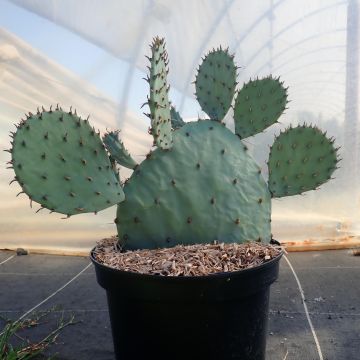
(271, 18)
(350, 164)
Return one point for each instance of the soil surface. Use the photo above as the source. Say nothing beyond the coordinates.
(189, 260)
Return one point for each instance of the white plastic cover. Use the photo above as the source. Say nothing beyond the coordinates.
(311, 44)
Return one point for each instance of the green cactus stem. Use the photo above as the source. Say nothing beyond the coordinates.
(301, 159)
(117, 150)
(158, 101)
(215, 83)
(60, 162)
(258, 105)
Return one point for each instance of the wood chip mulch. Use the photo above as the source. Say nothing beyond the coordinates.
(189, 260)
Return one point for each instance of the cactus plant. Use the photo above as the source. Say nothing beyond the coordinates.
(200, 184)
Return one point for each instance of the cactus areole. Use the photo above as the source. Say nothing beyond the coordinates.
(200, 184)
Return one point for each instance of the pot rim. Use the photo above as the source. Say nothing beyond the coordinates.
(218, 275)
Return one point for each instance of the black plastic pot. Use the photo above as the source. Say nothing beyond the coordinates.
(221, 316)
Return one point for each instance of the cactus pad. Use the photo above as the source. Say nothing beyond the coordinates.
(158, 102)
(117, 150)
(206, 188)
(258, 105)
(60, 162)
(301, 159)
(215, 83)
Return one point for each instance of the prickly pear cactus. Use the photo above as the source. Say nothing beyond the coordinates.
(200, 184)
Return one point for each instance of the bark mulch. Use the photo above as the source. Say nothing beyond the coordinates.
(185, 260)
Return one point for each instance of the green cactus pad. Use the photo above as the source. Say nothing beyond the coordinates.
(176, 120)
(301, 159)
(215, 83)
(159, 102)
(258, 105)
(117, 150)
(206, 188)
(61, 163)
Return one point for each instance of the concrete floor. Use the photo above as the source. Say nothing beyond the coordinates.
(330, 281)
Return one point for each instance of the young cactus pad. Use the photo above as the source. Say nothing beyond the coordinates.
(158, 101)
(176, 119)
(258, 105)
(215, 83)
(200, 184)
(117, 150)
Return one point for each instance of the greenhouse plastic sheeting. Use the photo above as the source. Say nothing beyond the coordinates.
(90, 55)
